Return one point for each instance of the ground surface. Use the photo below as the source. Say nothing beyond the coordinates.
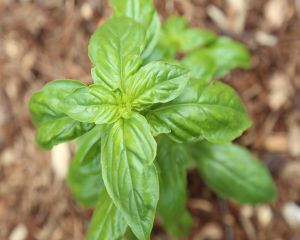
(45, 40)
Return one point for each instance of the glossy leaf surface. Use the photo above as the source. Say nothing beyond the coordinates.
(115, 50)
(156, 82)
(144, 12)
(232, 172)
(94, 104)
(53, 125)
(211, 111)
(172, 159)
(128, 150)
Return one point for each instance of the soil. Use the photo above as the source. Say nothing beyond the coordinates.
(45, 40)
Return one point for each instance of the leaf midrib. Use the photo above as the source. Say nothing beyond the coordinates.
(106, 216)
(245, 182)
(196, 105)
(155, 86)
(131, 182)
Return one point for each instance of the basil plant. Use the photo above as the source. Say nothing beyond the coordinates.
(146, 118)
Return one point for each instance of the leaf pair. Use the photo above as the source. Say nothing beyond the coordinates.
(176, 36)
(122, 85)
(206, 55)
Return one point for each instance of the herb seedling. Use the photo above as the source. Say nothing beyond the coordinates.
(131, 123)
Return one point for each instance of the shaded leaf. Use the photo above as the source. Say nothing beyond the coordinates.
(84, 177)
(232, 172)
(172, 159)
(107, 221)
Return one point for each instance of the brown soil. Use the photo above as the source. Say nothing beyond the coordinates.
(45, 40)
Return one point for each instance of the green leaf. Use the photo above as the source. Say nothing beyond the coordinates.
(172, 162)
(156, 82)
(130, 177)
(115, 50)
(193, 38)
(201, 64)
(93, 104)
(129, 235)
(144, 12)
(107, 221)
(54, 126)
(84, 176)
(175, 24)
(176, 36)
(211, 111)
(227, 54)
(232, 172)
(162, 51)
(183, 38)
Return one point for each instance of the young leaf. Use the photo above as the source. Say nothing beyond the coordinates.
(93, 104)
(171, 34)
(175, 24)
(156, 82)
(193, 38)
(227, 55)
(202, 65)
(172, 160)
(232, 172)
(130, 177)
(84, 177)
(115, 50)
(107, 221)
(144, 12)
(211, 111)
(54, 126)
(177, 35)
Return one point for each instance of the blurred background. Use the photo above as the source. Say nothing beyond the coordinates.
(42, 40)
